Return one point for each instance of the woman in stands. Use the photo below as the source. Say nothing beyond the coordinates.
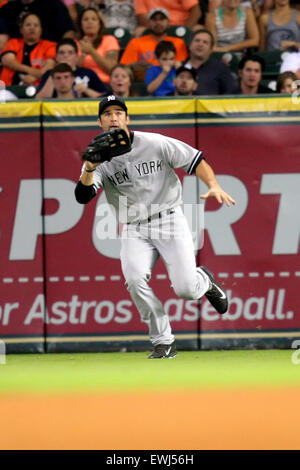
(121, 79)
(98, 51)
(234, 27)
(280, 28)
(25, 59)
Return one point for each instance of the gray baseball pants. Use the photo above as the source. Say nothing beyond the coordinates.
(168, 237)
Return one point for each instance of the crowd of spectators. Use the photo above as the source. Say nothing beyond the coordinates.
(68, 48)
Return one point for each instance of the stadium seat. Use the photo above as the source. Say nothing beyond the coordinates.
(273, 60)
(145, 32)
(139, 70)
(181, 32)
(139, 89)
(23, 92)
(271, 84)
(229, 58)
(121, 34)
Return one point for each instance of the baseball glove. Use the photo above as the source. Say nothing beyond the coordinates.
(107, 145)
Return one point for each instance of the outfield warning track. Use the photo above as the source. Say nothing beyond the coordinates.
(217, 419)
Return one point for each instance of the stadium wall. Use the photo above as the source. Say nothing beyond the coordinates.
(61, 288)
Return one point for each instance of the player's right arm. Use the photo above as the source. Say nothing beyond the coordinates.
(86, 189)
(87, 177)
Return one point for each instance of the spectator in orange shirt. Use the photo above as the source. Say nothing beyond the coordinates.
(142, 49)
(25, 59)
(182, 12)
(98, 51)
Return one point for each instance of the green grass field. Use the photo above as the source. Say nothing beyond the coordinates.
(124, 371)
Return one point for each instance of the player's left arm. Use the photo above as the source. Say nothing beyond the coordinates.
(207, 175)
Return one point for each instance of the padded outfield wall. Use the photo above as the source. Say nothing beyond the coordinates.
(61, 288)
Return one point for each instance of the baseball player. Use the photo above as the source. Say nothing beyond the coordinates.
(136, 171)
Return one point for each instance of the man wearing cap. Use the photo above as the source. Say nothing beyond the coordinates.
(142, 49)
(182, 12)
(185, 82)
(145, 192)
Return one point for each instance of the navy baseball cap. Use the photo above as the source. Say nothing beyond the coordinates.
(187, 68)
(110, 101)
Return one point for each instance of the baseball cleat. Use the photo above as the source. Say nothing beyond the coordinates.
(163, 351)
(216, 295)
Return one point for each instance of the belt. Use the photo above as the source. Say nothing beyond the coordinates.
(158, 215)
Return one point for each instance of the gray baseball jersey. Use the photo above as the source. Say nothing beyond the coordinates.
(143, 182)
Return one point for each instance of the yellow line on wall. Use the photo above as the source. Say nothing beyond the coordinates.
(227, 105)
(248, 119)
(95, 339)
(223, 335)
(166, 122)
(36, 339)
(112, 338)
(133, 123)
(16, 126)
